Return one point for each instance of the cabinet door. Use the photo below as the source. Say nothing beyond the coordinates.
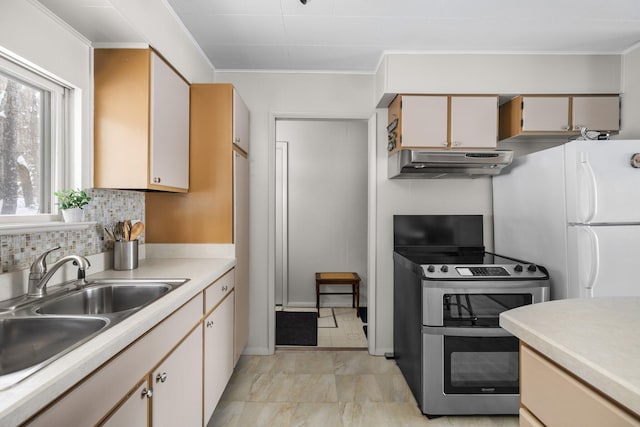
(218, 353)
(424, 121)
(169, 139)
(177, 385)
(596, 113)
(240, 122)
(133, 412)
(474, 121)
(545, 114)
(241, 241)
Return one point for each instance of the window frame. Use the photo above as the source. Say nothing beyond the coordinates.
(57, 137)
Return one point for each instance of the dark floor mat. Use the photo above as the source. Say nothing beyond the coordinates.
(363, 314)
(296, 328)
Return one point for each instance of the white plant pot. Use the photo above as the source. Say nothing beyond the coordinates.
(73, 215)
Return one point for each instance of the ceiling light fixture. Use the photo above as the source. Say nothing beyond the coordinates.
(304, 1)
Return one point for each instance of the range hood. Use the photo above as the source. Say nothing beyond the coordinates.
(421, 163)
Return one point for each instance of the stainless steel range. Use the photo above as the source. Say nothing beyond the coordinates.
(448, 295)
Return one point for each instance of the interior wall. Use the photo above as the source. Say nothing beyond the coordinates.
(270, 95)
(327, 205)
(630, 95)
(502, 74)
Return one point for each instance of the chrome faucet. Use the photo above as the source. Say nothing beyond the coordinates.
(39, 276)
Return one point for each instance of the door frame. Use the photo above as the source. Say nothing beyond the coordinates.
(371, 119)
(283, 146)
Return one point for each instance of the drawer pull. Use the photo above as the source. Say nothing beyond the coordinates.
(161, 377)
(147, 393)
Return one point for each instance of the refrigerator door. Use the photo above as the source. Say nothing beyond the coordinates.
(603, 260)
(601, 182)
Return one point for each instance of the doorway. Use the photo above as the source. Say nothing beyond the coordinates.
(321, 221)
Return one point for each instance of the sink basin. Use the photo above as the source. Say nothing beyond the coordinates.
(27, 342)
(106, 298)
(36, 331)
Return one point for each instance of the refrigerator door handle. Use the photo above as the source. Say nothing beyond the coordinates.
(594, 257)
(591, 193)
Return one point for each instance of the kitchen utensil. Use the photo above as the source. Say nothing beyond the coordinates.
(126, 229)
(136, 230)
(109, 234)
(117, 231)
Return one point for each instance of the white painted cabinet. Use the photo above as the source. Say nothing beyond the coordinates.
(558, 115)
(474, 121)
(545, 114)
(218, 353)
(169, 127)
(240, 122)
(141, 128)
(443, 121)
(177, 385)
(596, 113)
(134, 411)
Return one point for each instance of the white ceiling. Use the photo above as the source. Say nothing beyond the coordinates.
(351, 35)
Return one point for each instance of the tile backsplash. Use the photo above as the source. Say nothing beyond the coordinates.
(18, 251)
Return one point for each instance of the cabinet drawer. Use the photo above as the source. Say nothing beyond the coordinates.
(217, 290)
(558, 399)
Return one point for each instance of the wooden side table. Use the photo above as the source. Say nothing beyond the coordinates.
(351, 279)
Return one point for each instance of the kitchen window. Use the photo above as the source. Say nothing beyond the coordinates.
(34, 140)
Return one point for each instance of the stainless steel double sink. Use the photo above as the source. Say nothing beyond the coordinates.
(37, 331)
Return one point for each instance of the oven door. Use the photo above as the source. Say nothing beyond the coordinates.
(470, 370)
(480, 364)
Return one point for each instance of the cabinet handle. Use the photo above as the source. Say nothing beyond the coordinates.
(565, 127)
(147, 393)
(237, 140)
(444, 144)
(456, 144)
(160, 378)
(577, 127)
(156, 180)
(209, 323)
(224, 288)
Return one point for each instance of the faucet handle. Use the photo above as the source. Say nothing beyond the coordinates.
(39, 266)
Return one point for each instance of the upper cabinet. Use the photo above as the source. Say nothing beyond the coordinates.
(141, 126)
(560, 115)
(443, 121)
(240, 122)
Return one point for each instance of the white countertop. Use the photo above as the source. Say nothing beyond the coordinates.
(597, 339)
(25, 398)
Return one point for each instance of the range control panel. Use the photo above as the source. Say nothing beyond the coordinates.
(479, 272)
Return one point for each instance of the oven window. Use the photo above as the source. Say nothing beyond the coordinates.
(479, 309)
(477, 365)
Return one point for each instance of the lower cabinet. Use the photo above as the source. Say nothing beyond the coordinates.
(173, 375)
(218, 353)
(134, 411)
(177, 385)
(551, 396)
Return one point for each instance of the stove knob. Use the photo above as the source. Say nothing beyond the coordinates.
(518, 268)
(431, 269)
(444, 268)
(532, 267)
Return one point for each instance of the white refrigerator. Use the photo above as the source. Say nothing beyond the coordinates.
(574, 209)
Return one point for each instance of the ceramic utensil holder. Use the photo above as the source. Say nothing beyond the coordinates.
(125, 255)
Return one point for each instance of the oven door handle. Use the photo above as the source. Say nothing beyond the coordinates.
(465, 332)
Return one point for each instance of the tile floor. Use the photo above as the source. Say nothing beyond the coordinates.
(327, 389)
(338, 327)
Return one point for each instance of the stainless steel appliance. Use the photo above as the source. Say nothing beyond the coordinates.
(411, 163)
(448, 295)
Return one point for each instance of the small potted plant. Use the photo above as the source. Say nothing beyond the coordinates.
(71, 203)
